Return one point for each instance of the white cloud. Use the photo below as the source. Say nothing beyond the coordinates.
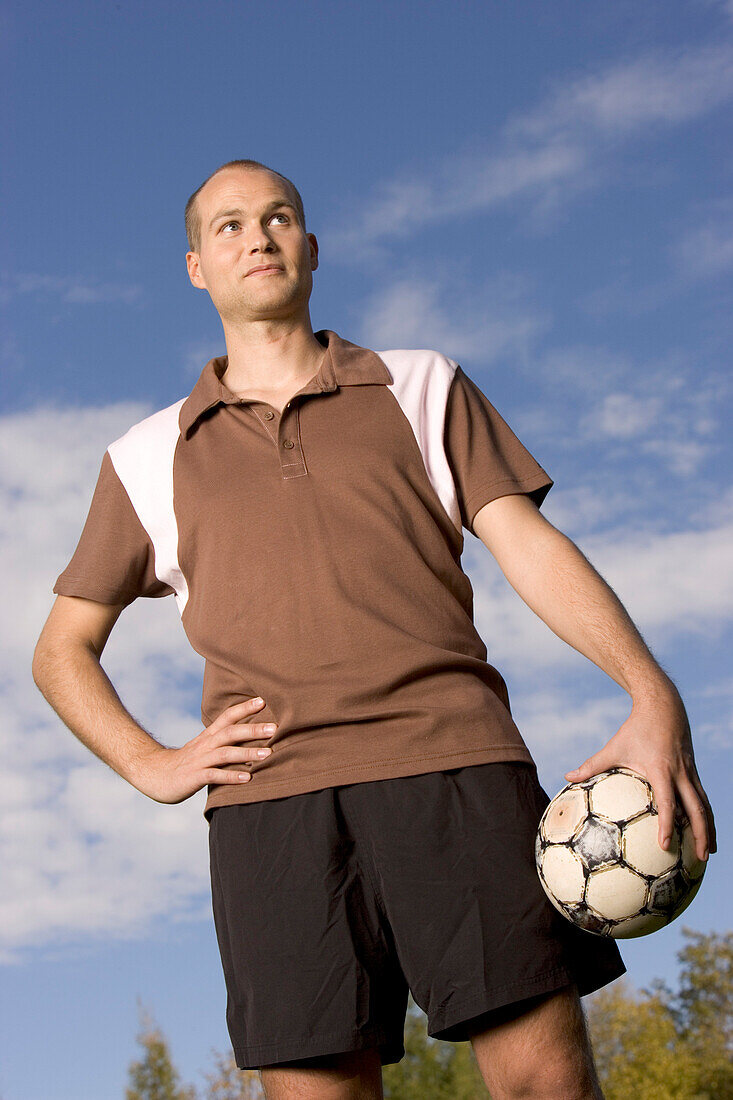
(620, 415)
(83, 852)
(197, 355)
(435, 312)
(666, 408)
(705, 251)
(659, 87)
(549, 154)
(672, 584)
(587, 396)
(77, 289)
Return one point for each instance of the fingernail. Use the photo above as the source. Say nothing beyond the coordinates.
(264, 752)
(258, 700)
(244, 776)
(270, 727)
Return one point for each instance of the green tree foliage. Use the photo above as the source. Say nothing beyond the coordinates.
(153, 1077)
(228, 1082)
(431, 1069)
(637, 1049)
(670, 1045)
(703, 1009)
(657, 1044)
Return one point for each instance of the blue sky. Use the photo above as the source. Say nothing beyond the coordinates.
(543, 192)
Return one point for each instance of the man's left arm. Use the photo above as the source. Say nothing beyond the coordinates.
(559, 584)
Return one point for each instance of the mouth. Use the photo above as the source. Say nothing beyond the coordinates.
(265, 271)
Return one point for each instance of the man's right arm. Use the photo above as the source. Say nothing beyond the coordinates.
(67, 670)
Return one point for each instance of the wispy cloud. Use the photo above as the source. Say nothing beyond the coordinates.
(674, 584)
(656, 88)
(549, 154)
(75, 289)
(661, 411)
(491, 322)
(83, 852)
(586, 395)
(705, 250)
(197, 355)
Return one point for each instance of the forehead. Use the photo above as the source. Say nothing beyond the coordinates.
(245, 186)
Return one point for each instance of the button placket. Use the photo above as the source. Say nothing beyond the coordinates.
(292, 462)
(265, 416)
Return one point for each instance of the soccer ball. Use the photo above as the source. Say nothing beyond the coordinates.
(600, 863)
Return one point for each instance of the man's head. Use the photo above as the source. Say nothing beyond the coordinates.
(193, 221)
(243, 216)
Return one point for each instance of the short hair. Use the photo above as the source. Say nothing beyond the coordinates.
(193, 221)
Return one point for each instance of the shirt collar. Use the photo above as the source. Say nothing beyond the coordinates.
(344, 364)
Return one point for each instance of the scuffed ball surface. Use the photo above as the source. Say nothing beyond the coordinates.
(601, 865)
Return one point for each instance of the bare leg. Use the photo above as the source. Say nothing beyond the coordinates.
(356, 1075)
(542, 1054)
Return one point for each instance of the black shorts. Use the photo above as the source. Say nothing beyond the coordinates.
(330, 905)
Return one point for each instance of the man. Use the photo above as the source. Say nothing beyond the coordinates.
(372, 805)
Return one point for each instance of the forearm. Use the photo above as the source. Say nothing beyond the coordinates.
(79, 690)
(556, 580)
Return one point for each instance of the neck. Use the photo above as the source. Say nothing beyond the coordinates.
(268, 356)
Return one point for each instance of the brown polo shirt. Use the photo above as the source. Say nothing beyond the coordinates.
(315, 558)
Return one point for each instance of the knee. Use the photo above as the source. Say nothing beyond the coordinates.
(353, 1075)
(560, 1078)
(538, 1050)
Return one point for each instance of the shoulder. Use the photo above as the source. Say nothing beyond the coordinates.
(420, 375)
(419, 361)
(156, 432)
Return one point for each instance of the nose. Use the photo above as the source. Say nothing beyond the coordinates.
(259, 241)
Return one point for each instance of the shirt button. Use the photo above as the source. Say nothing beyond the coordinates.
(268, 415)
(288, 443)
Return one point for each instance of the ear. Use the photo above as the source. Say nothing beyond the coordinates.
(314, 250)
(194, 270)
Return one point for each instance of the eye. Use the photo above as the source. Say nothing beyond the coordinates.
(281, 216)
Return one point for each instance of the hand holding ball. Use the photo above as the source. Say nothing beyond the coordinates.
(600, 862)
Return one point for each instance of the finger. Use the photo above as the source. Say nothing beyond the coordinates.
(666, 806)
(245, 731)
(712, 832)
(695, 810)
(228, 754)
(235, 712)
(212, 775)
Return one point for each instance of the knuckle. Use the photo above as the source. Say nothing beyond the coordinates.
(666, 803)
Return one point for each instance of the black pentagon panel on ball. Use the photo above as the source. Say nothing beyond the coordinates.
(600, 863)
(667, 893)
(588, 920)
(598, 842)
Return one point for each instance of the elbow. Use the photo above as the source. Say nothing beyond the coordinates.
(38, 666)
(43, 656)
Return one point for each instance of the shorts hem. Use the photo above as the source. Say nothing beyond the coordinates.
(499, 997)
(505, 995)
(261, 1054)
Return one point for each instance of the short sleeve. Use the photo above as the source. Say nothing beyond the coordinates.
(114, 561)
(486, 457)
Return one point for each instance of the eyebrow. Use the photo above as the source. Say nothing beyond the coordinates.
(274, 205)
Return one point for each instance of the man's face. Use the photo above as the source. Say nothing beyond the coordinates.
(247, 219)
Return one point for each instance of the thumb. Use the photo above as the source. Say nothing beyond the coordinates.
(592, 766)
